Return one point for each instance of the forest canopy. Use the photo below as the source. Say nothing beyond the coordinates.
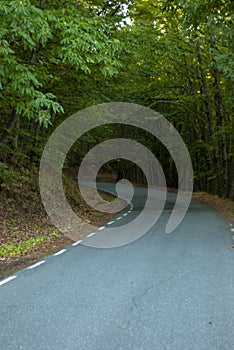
(174, 56)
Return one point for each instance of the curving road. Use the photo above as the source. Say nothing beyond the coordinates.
(161, 292)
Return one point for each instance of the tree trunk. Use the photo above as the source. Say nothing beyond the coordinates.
(8, 130)
(15, 140)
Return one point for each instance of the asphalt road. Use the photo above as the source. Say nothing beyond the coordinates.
(163, 291)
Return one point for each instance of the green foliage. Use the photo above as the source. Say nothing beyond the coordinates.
(10, 177)
(12, 249)
(38, 44)
(176, 57)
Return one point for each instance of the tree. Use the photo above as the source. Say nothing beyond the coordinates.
(175, 57)
(179, 62)
(41, 42)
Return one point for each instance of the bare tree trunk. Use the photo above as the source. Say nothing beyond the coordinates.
(15, 140)
(216, 166)
(9, 128)
(204, 89)
(223, 179)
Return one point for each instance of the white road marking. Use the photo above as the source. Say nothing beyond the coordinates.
(110, 223)
(233, 238)
(129, 211)
(230, 224)
(232, 229)
(119, 218)
(77, 242)
(60, 252)
(125, 214)
(7, 280)
(101, 228)
(91, 234)
(35, 265)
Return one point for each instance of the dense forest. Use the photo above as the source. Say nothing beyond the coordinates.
(174, 56)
